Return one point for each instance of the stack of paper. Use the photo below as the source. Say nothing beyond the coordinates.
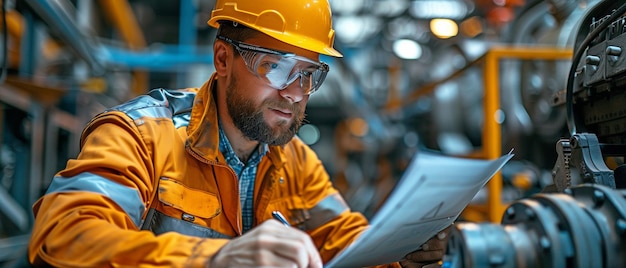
(431, 194)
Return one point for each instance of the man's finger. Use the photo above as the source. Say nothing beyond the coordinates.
(315, 261)
(438, 242)
(297, 240)
(425, 256)
(410, 264)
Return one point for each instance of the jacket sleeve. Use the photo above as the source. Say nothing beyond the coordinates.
(332, 225)
(91, 214)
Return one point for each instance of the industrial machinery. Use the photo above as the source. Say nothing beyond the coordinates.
(579, 220)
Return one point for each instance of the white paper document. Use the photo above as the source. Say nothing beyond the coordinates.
(431, 194)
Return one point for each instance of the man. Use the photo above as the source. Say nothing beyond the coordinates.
(191, 177)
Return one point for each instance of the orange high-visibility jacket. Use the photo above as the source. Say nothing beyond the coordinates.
(156, 157)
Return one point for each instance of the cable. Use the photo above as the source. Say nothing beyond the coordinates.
(571, 122)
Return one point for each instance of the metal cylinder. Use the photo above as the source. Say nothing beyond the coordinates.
(584, 227)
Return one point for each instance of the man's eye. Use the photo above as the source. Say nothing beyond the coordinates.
(267, 66)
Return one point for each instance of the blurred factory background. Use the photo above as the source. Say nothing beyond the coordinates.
(467, 78)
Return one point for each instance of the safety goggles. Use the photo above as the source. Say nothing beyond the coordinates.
(280, 69)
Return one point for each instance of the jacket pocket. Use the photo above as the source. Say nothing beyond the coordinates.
(192, 201)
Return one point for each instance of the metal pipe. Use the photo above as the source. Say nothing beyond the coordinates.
(121, 15)
(165, 58)
(186, 35)
(63, 25)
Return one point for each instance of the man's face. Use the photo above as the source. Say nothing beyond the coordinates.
(270, 120)
(261, 112)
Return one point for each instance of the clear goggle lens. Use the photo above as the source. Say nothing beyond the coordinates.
(279, 69)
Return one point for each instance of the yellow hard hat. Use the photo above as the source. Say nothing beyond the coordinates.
(303, 23)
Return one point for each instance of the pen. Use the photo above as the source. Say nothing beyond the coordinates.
(278, 216)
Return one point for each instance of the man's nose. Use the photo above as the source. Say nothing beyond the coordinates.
(294, 91)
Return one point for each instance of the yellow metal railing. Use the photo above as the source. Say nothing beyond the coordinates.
(492, 131)
(121, 15)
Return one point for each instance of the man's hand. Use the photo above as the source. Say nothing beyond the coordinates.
(431, 252)
(270, 244)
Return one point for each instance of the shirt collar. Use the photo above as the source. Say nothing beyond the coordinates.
(230, 156)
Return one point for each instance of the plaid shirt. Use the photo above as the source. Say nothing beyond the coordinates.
(246, 172)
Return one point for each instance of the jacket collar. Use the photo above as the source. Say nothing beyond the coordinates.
(203, 129)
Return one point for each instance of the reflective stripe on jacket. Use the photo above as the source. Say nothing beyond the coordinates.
(165, 143)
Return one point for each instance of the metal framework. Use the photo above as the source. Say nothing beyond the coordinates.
(492, 129)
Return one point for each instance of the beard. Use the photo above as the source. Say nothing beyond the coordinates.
(248, 117)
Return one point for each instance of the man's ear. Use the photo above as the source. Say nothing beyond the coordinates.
(221, 55)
